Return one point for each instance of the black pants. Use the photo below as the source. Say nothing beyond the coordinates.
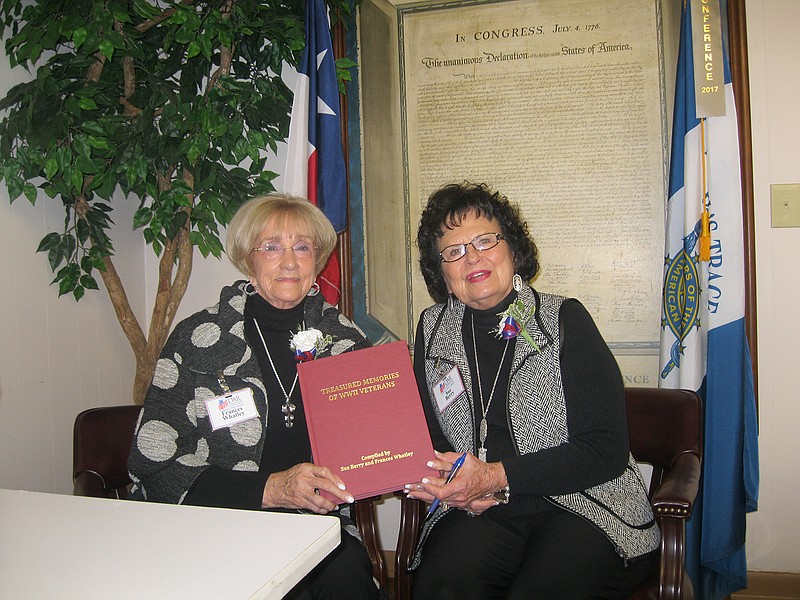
(546, 556)
(345, 574)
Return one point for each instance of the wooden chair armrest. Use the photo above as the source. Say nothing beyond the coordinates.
(677, 491)
(89, 483)
(672, 505)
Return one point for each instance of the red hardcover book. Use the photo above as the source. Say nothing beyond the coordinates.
(365, 418)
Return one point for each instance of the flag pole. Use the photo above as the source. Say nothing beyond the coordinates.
(737, 30)
(344, 246)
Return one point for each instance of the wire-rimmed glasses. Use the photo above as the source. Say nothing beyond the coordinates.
(274, 250)
(485, 241)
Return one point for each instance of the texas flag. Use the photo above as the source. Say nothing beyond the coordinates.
(315, 166)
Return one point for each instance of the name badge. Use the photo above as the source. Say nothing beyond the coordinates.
(231, 408)
(448, 388)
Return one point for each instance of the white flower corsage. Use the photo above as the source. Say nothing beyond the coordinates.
(512, 322)
(306, 343)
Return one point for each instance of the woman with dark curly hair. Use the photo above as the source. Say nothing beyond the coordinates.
(548, 502)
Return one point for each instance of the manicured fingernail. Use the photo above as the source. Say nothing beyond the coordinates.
(407, 486)
(342, 487)
(430, 464)
(426, 480)
(350, 499)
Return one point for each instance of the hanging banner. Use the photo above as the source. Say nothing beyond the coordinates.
(709, 74)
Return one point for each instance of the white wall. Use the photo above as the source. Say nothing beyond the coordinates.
(58, 357)
(774, 54)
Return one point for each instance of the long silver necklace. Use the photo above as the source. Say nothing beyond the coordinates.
(483, 429)
(288, 407)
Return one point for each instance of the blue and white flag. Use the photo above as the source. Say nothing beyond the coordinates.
(315, 167)
(703, 342)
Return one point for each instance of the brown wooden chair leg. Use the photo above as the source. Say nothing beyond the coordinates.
(412, 514)
(364, 516)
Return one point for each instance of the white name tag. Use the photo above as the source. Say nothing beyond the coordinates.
(448, 388)
(231, 408)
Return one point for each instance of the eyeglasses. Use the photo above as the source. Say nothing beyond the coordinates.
(485, 241)
(274, 250)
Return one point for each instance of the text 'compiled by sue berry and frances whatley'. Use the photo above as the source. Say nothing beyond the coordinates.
(376, 458)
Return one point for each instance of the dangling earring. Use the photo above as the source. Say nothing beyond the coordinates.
(314, 289)
(451, 301)
(250, 289)
(516, 281)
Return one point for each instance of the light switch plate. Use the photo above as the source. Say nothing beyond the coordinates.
(785, 204)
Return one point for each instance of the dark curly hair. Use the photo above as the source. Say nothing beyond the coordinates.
(445, 209)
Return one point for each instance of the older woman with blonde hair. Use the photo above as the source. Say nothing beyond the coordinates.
(223, 422)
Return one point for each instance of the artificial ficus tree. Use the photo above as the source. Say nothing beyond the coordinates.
(172, 105)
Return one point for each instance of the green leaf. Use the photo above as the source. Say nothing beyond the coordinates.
(65, 286)
(50, 167)
(142, 217)
(225, 38)
(89, 282)
(87, 104)
(76, 178)
(55, 256)
(193, 49)
(87, 264)
(82, 231)
(48, 241)
(86, 165)
(78, 292)
(345, 63)
(206, 46)
(30, 192)
(119, 13)
(15, 187)
(107, 49)
(79, 36)
(100, 143)
(69, 246)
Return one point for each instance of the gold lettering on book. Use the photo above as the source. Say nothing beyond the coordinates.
(359, 387)
(376, 458)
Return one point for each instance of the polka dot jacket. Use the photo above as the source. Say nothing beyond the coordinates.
(174, 441)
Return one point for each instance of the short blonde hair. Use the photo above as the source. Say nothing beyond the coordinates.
(253, 215)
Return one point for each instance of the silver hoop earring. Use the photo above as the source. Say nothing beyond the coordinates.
(451, 301)
(250, 289)
(314, 289)
(516, 281)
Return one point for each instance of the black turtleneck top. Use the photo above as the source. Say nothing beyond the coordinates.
(597, 444)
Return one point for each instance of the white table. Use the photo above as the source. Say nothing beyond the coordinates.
(57, 546)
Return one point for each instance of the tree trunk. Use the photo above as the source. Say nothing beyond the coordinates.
(176, 258)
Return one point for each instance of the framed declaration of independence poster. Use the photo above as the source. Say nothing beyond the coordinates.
(559, 105)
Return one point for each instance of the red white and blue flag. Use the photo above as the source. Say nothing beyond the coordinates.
(315, 167)
(704, 345)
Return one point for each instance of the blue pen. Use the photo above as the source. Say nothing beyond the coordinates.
(450, 475)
